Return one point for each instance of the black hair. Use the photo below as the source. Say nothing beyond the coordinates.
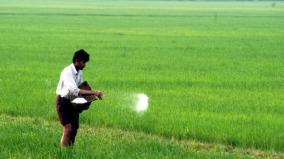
(81, 55)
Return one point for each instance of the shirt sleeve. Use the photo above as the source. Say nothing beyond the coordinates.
(70, 84)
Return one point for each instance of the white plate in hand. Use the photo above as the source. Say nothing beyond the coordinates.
(79, 100)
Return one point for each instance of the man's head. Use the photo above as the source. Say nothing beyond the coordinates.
(80, 58)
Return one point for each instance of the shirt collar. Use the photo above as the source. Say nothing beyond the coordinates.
(74, 71)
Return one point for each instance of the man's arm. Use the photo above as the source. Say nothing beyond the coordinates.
(84, 91)
(70, 84)
(91, 92)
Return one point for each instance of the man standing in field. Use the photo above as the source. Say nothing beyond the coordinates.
(67, 89)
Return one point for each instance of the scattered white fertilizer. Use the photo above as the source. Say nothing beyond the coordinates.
(142, 103)
(79, 101)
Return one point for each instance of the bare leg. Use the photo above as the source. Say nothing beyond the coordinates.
(66, 137)
(73, 135)
(75, 126)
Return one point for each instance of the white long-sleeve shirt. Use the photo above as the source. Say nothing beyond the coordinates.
(69, 81)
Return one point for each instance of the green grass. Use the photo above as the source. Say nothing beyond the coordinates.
(213, 73)
(37, 138)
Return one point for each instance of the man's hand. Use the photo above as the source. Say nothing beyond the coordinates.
(99, 94)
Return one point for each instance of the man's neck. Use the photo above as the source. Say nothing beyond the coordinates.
(77, 69)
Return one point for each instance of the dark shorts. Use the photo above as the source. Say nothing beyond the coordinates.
(66, 112)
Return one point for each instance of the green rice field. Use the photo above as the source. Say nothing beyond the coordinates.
(213, 72)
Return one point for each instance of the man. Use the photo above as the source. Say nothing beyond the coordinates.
(70, 78)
